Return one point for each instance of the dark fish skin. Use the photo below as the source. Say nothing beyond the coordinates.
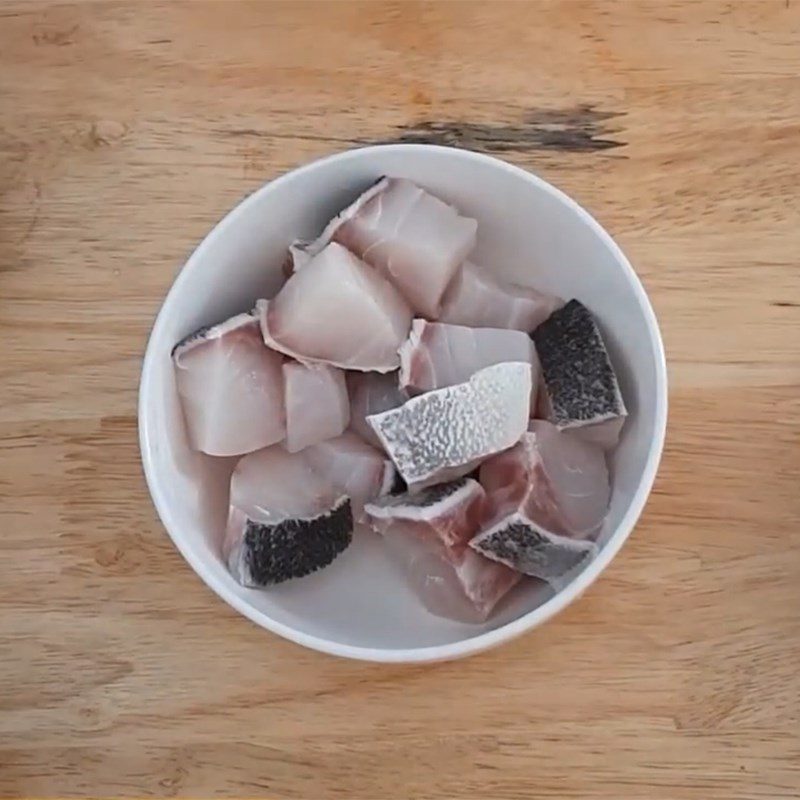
(296, 547)
(202, 333)
(577, 372)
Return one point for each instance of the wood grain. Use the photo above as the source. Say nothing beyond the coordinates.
(127, 129)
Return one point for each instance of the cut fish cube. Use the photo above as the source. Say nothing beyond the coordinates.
(437, 355)
(427, 533)
(284, 521)
(580, 387)
(338, 311)
(411, 237)
(547, 496)
(477, 299)
(317, 405)
(372, 393)
(353, 467)
(446, 433)
(231, 388)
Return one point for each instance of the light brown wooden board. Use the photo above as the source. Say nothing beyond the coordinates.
(128, 129)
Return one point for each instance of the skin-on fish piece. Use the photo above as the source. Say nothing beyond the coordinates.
(353, 467)
(317, 405)
(284, 521)
(546, 497)
(427, 533)
(338, 311)
(446, 433)
(411, 237)
(372, 393)
(580, 391)
(437, 355)
(231, 388)
(477, 299)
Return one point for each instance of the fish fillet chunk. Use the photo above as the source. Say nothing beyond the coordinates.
(231, 388)
(437, 355)
(284, 521)
(372, 393)
(446, 433)
(580, 390)
(547, 496)
(353, 467)
(338, 311)
(317, 405)
(427, 533)
(411, 237)
(478, 300)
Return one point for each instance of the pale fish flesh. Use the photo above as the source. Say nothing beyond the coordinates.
(284, 521)
(371, 393)
(446, 433)
(317, 405)
(338, 311)
(231, 388)
(547, 498)
(353, 468)
(437, 355)
(580, 391)
(477, 299)
(427, 533)
(413, 238)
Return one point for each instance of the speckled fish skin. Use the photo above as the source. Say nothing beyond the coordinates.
(231, 388)
(284, 519)
(353, 468)
(547, 496)
(337, 311)
(437, 355)
(580, 387)
(477, 299)
(427, 534)
(408, 235)
(446, 433)
(371, 393)
(317, 405)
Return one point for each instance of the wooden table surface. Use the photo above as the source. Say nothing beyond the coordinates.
(128, 129)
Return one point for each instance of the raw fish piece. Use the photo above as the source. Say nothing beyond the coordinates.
(546, 497)
(353, 467)
(284, 519)
(317, 406)
(231, 388)
(427, 533)
(437, 355)
(371, 393)
(580, 388)
(446, 433)
(336, 310)
(413, 238)
(477, 299)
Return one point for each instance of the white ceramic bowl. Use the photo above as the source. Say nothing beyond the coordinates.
(528, 231)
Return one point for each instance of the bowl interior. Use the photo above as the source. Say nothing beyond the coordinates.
(528, 232)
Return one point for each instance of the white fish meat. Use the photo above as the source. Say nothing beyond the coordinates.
(353, 467)
(547, 496)
(477, 299)
(371, 393)
(446, 433)
(285, 520)
(437, 355)
(580, 391)
(317, 405)
(413, 238)
(428, 534)
(231, 388)
(338, 311)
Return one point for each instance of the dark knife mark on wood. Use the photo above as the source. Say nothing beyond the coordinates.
(580, 129)
(785, 304)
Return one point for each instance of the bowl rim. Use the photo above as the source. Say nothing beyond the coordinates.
(482, 641)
